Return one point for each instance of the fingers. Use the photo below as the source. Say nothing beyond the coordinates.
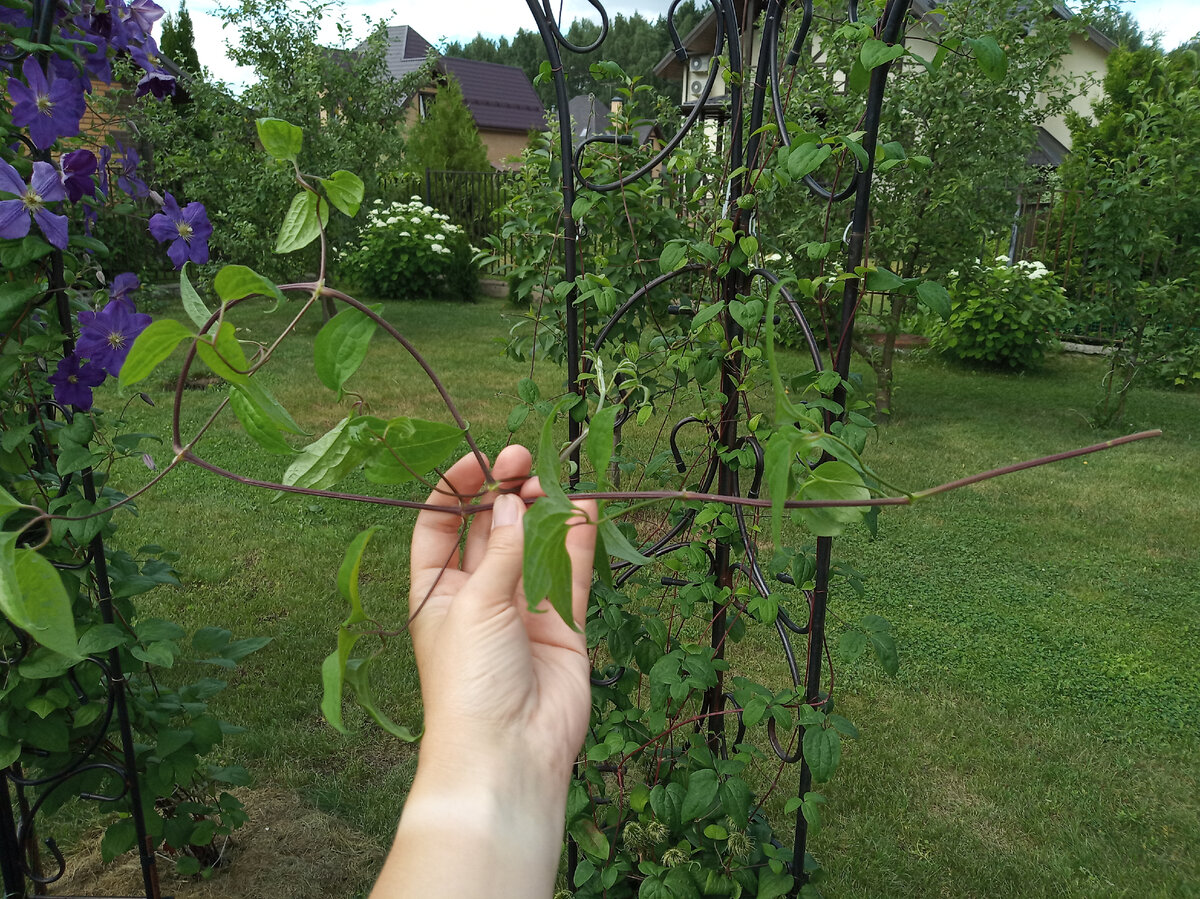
(498, 572)
(435, 535)
(511, 468)
(581, 547)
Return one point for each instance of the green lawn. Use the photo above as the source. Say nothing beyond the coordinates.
(1039, 741)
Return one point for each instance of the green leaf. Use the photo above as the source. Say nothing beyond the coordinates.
(269, 407)
(833, 481)
(223, 354)
(822, 751)
(410, 448)
(859, 78)
(348, 572)
(547, 465)
(709, 312)
(280, 139)
(935, 298)
(806, 158)
(701, 794)
(547, 566)
(881, 279)
(345, 191)
(772, 885)
(674, 256)
(236, 281)
(616, 543)
(101, 638)
(192, 304)
(748, 314)
(341, 346)
(119, 838)
(150, 348)
(876, 53)
(598, 445)
(591, 839)
(851, 645)
(778, 456)
(356, 677)
(667, 803)
(326, 460)
(256, 423)
(528, 390)
(303, 222)
(885, 650)
(748, 245)
(33, 598)
(716, 832)
(992, 60)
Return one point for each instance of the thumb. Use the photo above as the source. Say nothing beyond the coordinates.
(498, 573)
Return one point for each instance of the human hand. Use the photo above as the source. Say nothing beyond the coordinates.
(494, 674)
(506, 693)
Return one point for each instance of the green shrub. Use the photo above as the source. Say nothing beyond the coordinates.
(1001, 315)
(411, 251)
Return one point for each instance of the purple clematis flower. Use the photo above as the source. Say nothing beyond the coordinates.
(77, 168)
(106, 336)
(73, 382)
(140, 16)
(121, 287)
(49, 108)
(187, 230)
(127, 177)
(45, 187)
(157, 83)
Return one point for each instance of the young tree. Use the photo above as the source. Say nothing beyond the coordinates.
(447, 139)
(967, 118)
(1138, 219)
(178, 42)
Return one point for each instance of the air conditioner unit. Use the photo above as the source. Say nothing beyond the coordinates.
(700, 63)
(697, 88)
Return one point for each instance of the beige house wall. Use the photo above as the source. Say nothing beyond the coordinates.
(1087, 62)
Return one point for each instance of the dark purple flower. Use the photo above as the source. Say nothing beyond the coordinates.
(49, 108)
(157, 83)
(77, 168)
(73, 382)
(187, 229)
(121, 287)
(106, 336)
(45, 187)
(127, 177)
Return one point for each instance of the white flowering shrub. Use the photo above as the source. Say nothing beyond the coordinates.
(411, 251)
(1002, 315)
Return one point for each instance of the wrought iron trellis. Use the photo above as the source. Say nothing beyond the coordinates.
(23, 796)
(743, 142)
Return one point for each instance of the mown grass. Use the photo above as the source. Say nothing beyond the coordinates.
(1040, 739)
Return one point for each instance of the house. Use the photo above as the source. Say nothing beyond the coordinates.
(591, 117)
(1087, 59)
(500, 98)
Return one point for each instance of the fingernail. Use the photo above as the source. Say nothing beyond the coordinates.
(506, 510)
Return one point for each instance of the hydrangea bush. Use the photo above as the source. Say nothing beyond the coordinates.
(1002, 315)
(411, 251)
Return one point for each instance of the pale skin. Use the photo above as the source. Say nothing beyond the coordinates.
(506, 694)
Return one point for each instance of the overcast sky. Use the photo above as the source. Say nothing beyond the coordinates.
(461, 20)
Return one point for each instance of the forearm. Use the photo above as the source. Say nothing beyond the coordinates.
(486, 823)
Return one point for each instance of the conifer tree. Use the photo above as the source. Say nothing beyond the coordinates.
(178, 42)
(447, 139)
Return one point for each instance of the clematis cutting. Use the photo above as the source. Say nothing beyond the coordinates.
(44, 187)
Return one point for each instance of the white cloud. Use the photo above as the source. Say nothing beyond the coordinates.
(1176, 20)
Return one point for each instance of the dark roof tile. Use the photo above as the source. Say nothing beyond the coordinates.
(500, 97)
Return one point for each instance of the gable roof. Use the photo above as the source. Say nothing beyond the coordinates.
(499, 97)
(1059, 10)
(591, 116)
